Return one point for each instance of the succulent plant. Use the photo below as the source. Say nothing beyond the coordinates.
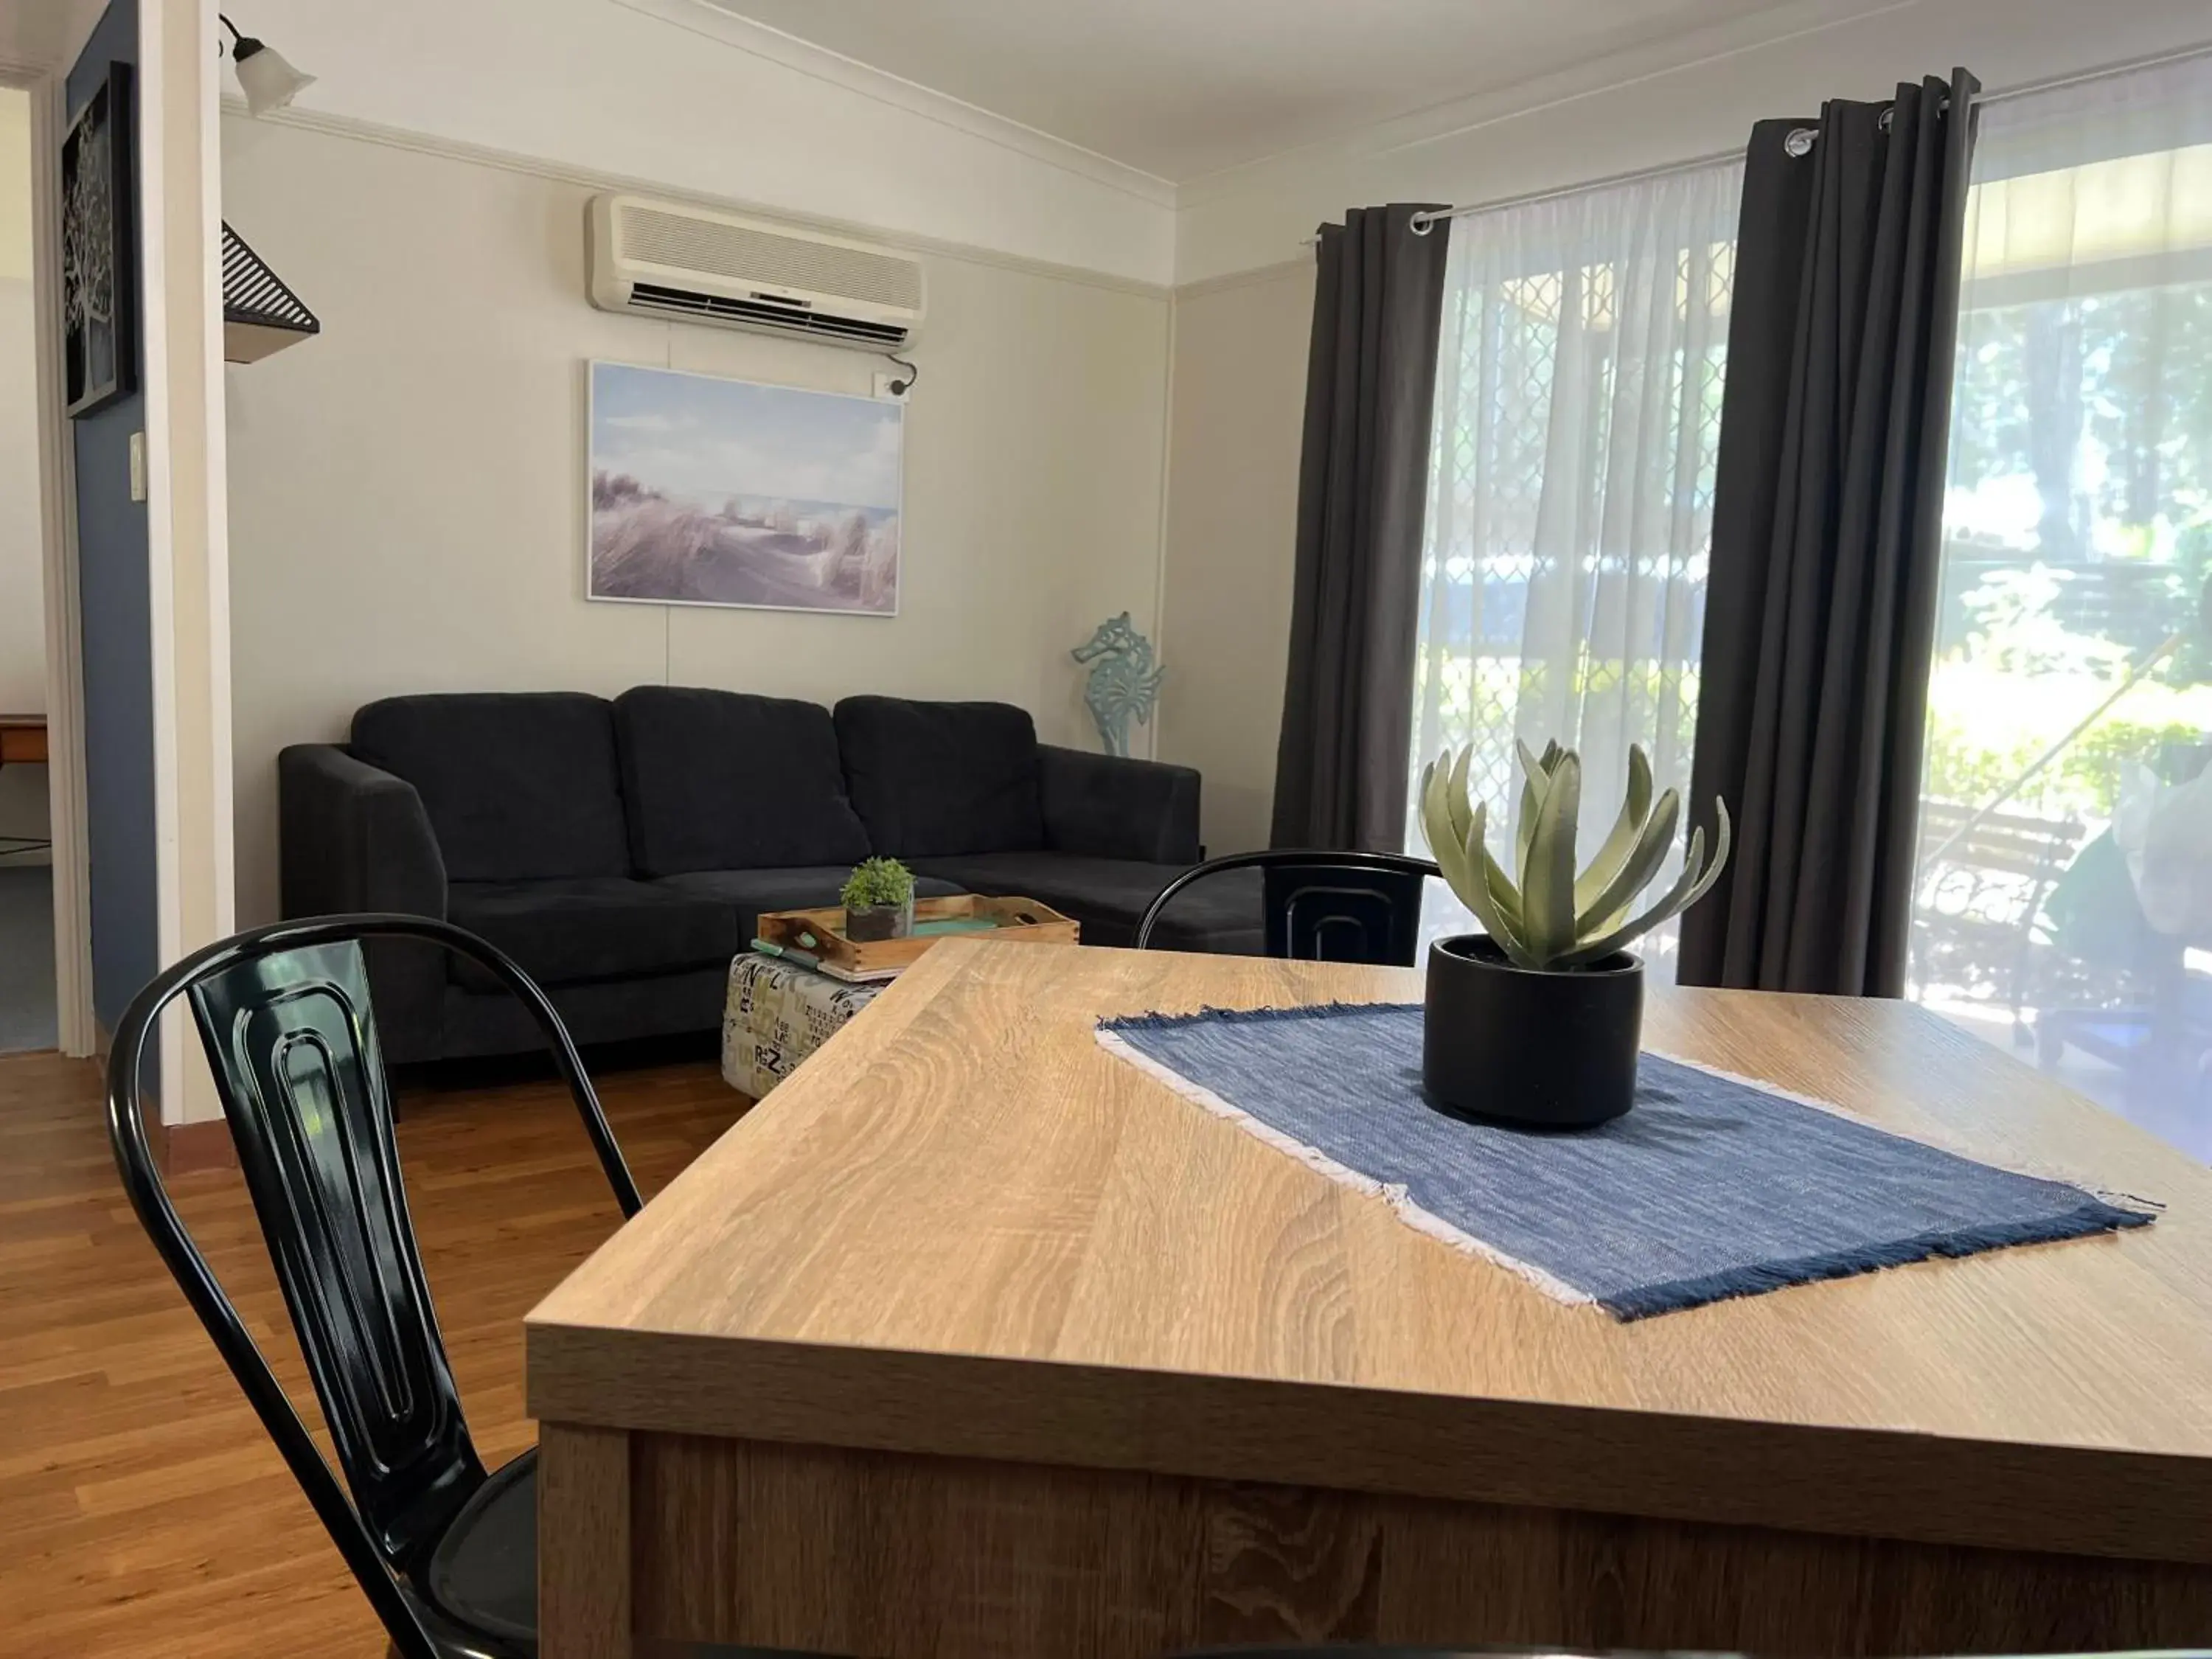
(1553, 919)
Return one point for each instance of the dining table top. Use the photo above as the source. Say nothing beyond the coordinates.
(963, 1228)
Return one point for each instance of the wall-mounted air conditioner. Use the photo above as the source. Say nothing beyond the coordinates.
(666, 261)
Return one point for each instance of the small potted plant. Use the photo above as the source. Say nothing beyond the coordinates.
(1537, 1019)
(879, 899)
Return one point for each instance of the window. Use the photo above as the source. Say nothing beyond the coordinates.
(1577, 414)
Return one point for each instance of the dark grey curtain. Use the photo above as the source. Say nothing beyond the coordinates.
(1827, 525)
(1370, 386)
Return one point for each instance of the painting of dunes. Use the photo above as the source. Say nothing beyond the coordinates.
(713, 491)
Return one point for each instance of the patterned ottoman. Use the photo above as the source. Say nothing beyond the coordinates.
(778, 1013)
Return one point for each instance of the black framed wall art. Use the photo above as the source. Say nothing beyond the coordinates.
(99, 267)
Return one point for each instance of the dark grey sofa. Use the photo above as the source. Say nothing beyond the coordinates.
(621, 851)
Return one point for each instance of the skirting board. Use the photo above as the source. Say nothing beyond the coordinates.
(178, 1148)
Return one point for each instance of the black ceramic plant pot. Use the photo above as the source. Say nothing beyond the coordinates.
(1554, 1050)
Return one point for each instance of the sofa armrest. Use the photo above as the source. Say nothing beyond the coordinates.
(353, 838)
(1108, 806)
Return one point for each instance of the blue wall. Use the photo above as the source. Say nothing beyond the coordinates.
(116, 600)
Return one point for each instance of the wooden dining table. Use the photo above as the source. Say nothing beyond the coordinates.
(975, 1339)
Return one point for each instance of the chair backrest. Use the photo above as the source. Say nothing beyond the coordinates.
(293, 1045)
(284, 1014)
(1320, 906)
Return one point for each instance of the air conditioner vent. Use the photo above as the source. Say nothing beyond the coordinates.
(672, 260)
(781, 317)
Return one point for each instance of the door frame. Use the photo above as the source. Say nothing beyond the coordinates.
(77, 1032)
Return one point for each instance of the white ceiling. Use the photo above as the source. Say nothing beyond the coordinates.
(38, 35)
(1180, 89)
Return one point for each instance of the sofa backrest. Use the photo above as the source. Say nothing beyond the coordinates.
(725, 781)
(935, 779)
(518, 786)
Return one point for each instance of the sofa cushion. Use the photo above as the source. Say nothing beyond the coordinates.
(746, 893)
(581, 928)
(932, 778)
(518, 786)
(1109, 897)
(722, 781)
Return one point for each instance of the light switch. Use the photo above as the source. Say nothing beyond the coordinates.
(138, 466)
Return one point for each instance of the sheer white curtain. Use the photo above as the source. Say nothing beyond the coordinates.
(1578, 399)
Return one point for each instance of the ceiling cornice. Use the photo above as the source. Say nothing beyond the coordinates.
(1441, 122)
(715, 23)
(595, 179)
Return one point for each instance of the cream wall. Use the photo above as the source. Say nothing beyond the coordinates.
(406, 490)
(1240, 376)
(22, 611)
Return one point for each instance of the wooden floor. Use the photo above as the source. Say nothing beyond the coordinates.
(142, 1511)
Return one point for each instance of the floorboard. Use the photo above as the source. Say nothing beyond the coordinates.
(142, 1511)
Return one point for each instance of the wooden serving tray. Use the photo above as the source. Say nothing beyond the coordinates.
(1019, 920)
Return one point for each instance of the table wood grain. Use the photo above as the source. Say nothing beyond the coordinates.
(963, 1245)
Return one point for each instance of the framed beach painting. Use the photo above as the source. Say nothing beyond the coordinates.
(712, 491)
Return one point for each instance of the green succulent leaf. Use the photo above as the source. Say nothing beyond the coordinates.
(1478, 898)
(1650, 851)
(1547, 875)
(1503, 893)
(1635, 808)
(1674, 899)
(1720, 854)
(1534, 782)
(1445, 845)
(1462, 817)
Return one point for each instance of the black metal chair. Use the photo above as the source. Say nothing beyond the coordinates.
(1322, 906)
(447, 1552)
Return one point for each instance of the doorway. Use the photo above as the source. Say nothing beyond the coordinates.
(27, 1003)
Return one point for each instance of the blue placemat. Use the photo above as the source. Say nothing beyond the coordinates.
(1713, 1187)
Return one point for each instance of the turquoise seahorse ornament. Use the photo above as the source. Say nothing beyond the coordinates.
(1123, 682)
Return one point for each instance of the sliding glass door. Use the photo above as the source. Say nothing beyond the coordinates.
(2063, 893)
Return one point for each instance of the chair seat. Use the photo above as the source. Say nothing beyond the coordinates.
(483, 1574)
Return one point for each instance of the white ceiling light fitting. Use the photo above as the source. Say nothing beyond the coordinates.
(265, 75)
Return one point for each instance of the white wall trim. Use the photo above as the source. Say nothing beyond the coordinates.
(77, 1033)
(154, 209)
(215, 495)
(1590, 79)
(1281, 270)
(705, 18)
(485, 155)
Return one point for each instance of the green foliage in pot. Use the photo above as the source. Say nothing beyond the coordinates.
(878, 883)
(1552, 918)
